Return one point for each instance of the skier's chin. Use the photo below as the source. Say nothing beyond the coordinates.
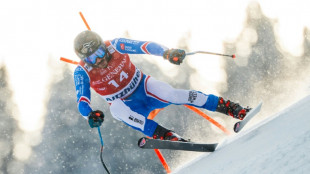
(103, 64)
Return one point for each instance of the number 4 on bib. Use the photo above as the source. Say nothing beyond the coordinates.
(123, 76)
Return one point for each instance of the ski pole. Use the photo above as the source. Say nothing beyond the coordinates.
(69, 61)
(84, 20)
(205, 52)
(101, 140)
(101, 158)
(215, 123)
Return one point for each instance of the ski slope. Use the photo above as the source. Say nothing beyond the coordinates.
(277, 145)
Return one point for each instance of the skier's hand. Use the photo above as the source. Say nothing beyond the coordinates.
(175, 56)
(95, 118)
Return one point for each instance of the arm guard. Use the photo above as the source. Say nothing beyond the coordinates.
(82, 87)
(138, 47)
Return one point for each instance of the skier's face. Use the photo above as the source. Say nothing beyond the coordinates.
(101, 63)
(98, 59)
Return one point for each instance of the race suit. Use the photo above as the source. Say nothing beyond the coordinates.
(131, 94)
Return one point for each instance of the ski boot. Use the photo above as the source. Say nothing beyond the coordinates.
(165, 134)
(232, 109)
(172, 136)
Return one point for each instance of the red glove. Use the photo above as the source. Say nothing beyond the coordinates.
(175, 56)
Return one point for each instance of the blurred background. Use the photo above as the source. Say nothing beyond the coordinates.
(41, 130)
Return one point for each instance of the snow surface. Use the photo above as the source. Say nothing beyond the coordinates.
(279, 144)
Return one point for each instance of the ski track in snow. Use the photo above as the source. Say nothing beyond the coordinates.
(279, 144)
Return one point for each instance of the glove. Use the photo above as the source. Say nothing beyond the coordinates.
(95, 118)
(175, 56)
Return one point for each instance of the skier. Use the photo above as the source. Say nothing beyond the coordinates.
(132, 95)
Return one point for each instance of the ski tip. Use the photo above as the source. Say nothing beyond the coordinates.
(236, 127)
(142, 142)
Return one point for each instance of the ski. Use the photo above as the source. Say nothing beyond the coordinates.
(147, 143)
(239, 125)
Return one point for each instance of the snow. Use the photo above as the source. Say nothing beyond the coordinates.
(278, 144)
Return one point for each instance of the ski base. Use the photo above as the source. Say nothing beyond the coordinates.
(147, 143)
(239, 125)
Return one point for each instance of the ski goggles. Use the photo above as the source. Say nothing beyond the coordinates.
(100, 53)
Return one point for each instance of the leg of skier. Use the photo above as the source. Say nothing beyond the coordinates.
(121, 111)
(124, 111)
(164, 92)
(153, 94)
(135, 109)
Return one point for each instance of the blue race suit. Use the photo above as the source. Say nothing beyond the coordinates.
(132, 94)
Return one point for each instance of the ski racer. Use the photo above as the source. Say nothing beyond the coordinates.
(105, 67)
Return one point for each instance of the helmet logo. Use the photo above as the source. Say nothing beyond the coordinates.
(87, 47)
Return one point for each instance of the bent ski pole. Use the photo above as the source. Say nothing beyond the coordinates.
(215, 123)
(84, 20)
(69, 61)
(205, 52)
(101, 140)
(101, 158)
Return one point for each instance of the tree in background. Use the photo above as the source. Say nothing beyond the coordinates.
(257, 46)
(65, 135)
(8, 127)
(262, 70)
(305, 61)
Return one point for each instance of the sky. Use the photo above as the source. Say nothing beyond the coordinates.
(278, 144)
(34, 30)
